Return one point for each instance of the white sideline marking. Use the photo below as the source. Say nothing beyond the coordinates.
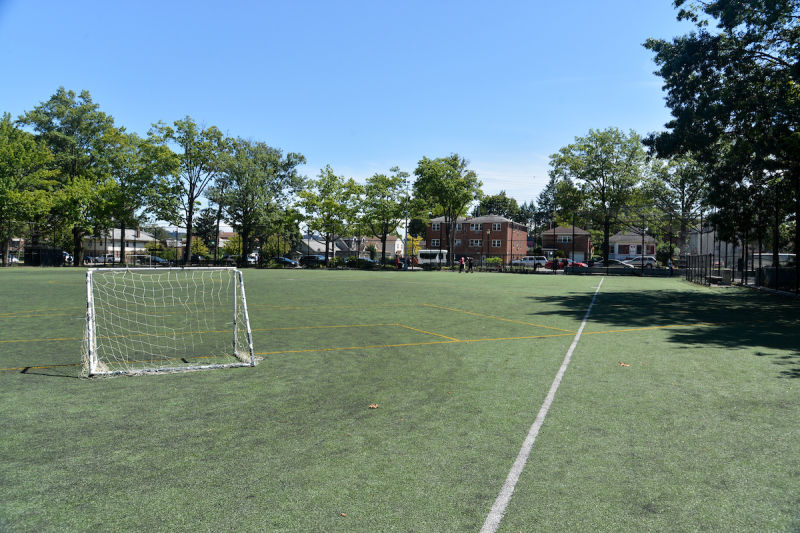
(499, 508)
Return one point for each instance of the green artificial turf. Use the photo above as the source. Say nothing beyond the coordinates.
(699, 432)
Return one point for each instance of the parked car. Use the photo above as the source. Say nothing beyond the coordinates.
(613, 264)
(105, 258)
(558, 264)
(649, 261)
(530, 261)
(312, 260)
(286, 262)
(13, 259)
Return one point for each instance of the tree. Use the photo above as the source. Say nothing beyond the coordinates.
(205, 227)
(385, 204)
(142, 173)
(448, 187)
(734, 92)
(497, 204)
(258, 180)
(331, 204)
(25, 180)
(677, 188)
(607, 166)
(78, 135)
(200, 152)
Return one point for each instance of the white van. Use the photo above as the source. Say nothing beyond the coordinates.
(432, 257)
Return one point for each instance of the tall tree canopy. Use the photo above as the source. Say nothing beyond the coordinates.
(26, 178)
(735, 100)
(606, 166)
(78, 135)
(449, 188)
(385, 204)
(497, 204)
(199, 150)
(259, 179)
(331, 204)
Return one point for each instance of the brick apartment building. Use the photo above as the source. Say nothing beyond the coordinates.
(480, 237)
(561, 238)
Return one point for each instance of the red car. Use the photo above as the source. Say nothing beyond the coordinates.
(559, 264)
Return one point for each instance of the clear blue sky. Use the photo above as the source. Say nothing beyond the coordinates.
(362, 86)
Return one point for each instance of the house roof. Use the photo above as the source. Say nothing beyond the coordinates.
(630, 236)
(564, 230)
(130, 235)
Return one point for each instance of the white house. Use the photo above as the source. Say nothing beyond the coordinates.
(626, 244)
(109, 242)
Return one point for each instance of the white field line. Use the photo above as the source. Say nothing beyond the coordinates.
(499, 508)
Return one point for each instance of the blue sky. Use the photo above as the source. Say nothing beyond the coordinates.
(362, 86)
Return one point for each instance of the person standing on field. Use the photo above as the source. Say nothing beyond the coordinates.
(469, 262)
(461, 265)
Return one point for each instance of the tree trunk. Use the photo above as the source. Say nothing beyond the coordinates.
(4, 245)
(606, 231)
(187, 252)
(77, 242)
(797, 233)
(383, 249)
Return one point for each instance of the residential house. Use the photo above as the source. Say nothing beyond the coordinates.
(480, 237)
(109, 242)
(628, 244)
(574, 242)
(394, 246)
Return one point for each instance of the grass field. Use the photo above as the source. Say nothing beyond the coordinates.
(697, 429)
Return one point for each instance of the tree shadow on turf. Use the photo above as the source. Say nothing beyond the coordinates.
(727, 318)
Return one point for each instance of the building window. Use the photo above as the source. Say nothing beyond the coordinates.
(476, 227)
(435, 243)
(458, 227)
(564, 239)
(496, 226)
(495, 243)
(458, 242)
(436, 226)
(476, 243)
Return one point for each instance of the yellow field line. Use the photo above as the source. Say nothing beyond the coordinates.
(497, 318)
(450, 340)
(368, 346)
(426, 332)
(326, 327)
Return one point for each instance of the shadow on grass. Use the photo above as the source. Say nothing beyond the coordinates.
(731, 318)
(54, 371)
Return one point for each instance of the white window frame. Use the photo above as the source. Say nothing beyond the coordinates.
(436, 226)
(476, 243)
(564, 239)
(435, 243)
(496, 226)
(496, 243)
(458, 226)
(476, 227)
(458, 242)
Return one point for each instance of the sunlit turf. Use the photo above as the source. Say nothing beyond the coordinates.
(699, 432)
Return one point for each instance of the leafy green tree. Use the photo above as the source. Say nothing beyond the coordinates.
(385, 204)
(205, 227)
(734, 92)
(331, 204)
(78, 135)
(200, 150)
(233, 246)
(448, 187)
(607, 166)
(142, 172)
(259, 179)
(497, 204)
(26, 178)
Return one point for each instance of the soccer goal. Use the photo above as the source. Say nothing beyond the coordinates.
(147, 320)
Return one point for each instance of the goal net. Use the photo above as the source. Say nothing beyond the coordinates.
(144, 320)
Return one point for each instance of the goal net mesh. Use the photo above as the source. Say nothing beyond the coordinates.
(162, 320)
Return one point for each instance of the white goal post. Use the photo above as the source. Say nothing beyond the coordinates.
(147, 320)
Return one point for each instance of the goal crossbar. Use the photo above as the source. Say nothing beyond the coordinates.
(150, 320)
